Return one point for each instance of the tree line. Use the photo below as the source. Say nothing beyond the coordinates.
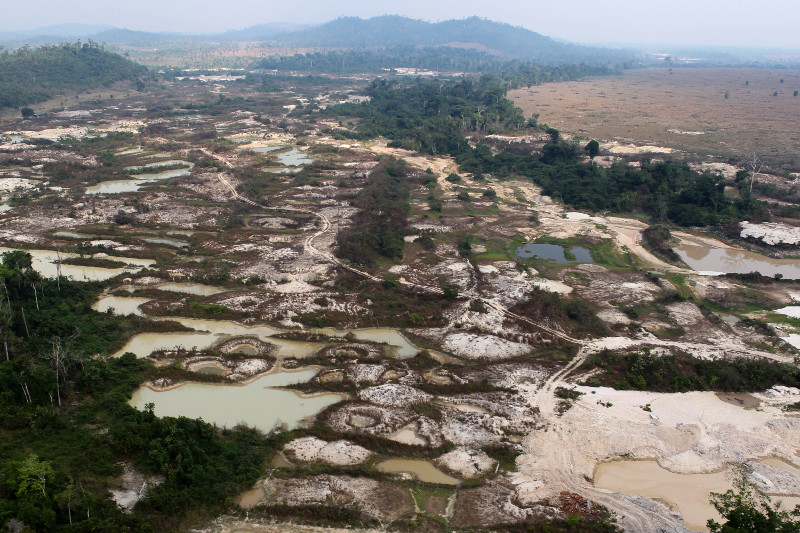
(437, 116)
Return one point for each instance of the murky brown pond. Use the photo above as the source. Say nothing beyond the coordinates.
(46, 263)
(120, 305)
(734, 261)
(209, 332)
(687, 493)
(745, 400)
(422, 470)
(255, 404)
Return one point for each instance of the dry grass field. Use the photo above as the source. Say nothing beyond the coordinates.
(683, 108)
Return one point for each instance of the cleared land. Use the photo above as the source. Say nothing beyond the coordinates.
(682, 108)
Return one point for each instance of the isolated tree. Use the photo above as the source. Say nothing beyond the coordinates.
(592, 148)
(62, 359)
(32, 476)
(27, 112)
(754, 166)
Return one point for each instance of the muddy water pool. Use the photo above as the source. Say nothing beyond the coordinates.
(197, 289)
(734, 261)
(392, 337)
(143, 344)
(255, 404)
(294, 158)
(688, 493)
(71, 235)
(120, 305)
(135, 182)
(45, 262)
(422, 470)
(168, 242)
(553, 253)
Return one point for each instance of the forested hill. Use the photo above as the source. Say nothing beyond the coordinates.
(28, 76)
(496, 37)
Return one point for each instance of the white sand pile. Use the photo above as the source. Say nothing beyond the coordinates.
(340, 452)
(466, 462)
(394, 395)
(550, 285)
(294, 287)
(771, 233)
(472, 346)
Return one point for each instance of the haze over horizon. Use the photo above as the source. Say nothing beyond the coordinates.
(735, 23)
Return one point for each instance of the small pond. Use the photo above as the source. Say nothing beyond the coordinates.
(168, 242)
(553, 253)
(294, 158)
(119, 305)
(135, 182)
(422, 470)
(255, 404)
(71, 235)
(197, 289)
(392, 337)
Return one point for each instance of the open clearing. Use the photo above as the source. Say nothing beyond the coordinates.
(681, 108)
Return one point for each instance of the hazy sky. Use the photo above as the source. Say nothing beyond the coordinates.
(720, 22)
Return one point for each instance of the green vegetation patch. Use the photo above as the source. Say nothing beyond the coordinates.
(681, 372)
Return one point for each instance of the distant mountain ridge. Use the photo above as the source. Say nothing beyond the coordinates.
(395, 30)
(348, 32)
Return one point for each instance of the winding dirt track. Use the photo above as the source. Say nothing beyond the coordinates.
(634, 517)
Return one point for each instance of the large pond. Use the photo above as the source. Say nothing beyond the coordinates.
(209, 332)
(734, 261)
(254, 404)
(422, 470)
(135, 183)
(688, 493)
(554, 253)
(46, 263)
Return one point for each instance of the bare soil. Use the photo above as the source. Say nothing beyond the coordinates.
(681, 108)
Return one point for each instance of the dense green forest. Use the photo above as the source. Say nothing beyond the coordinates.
(66, 426)
(435, 117)
(442, 59)
(31, 75)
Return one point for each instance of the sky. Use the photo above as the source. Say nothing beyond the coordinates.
(771, 23)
